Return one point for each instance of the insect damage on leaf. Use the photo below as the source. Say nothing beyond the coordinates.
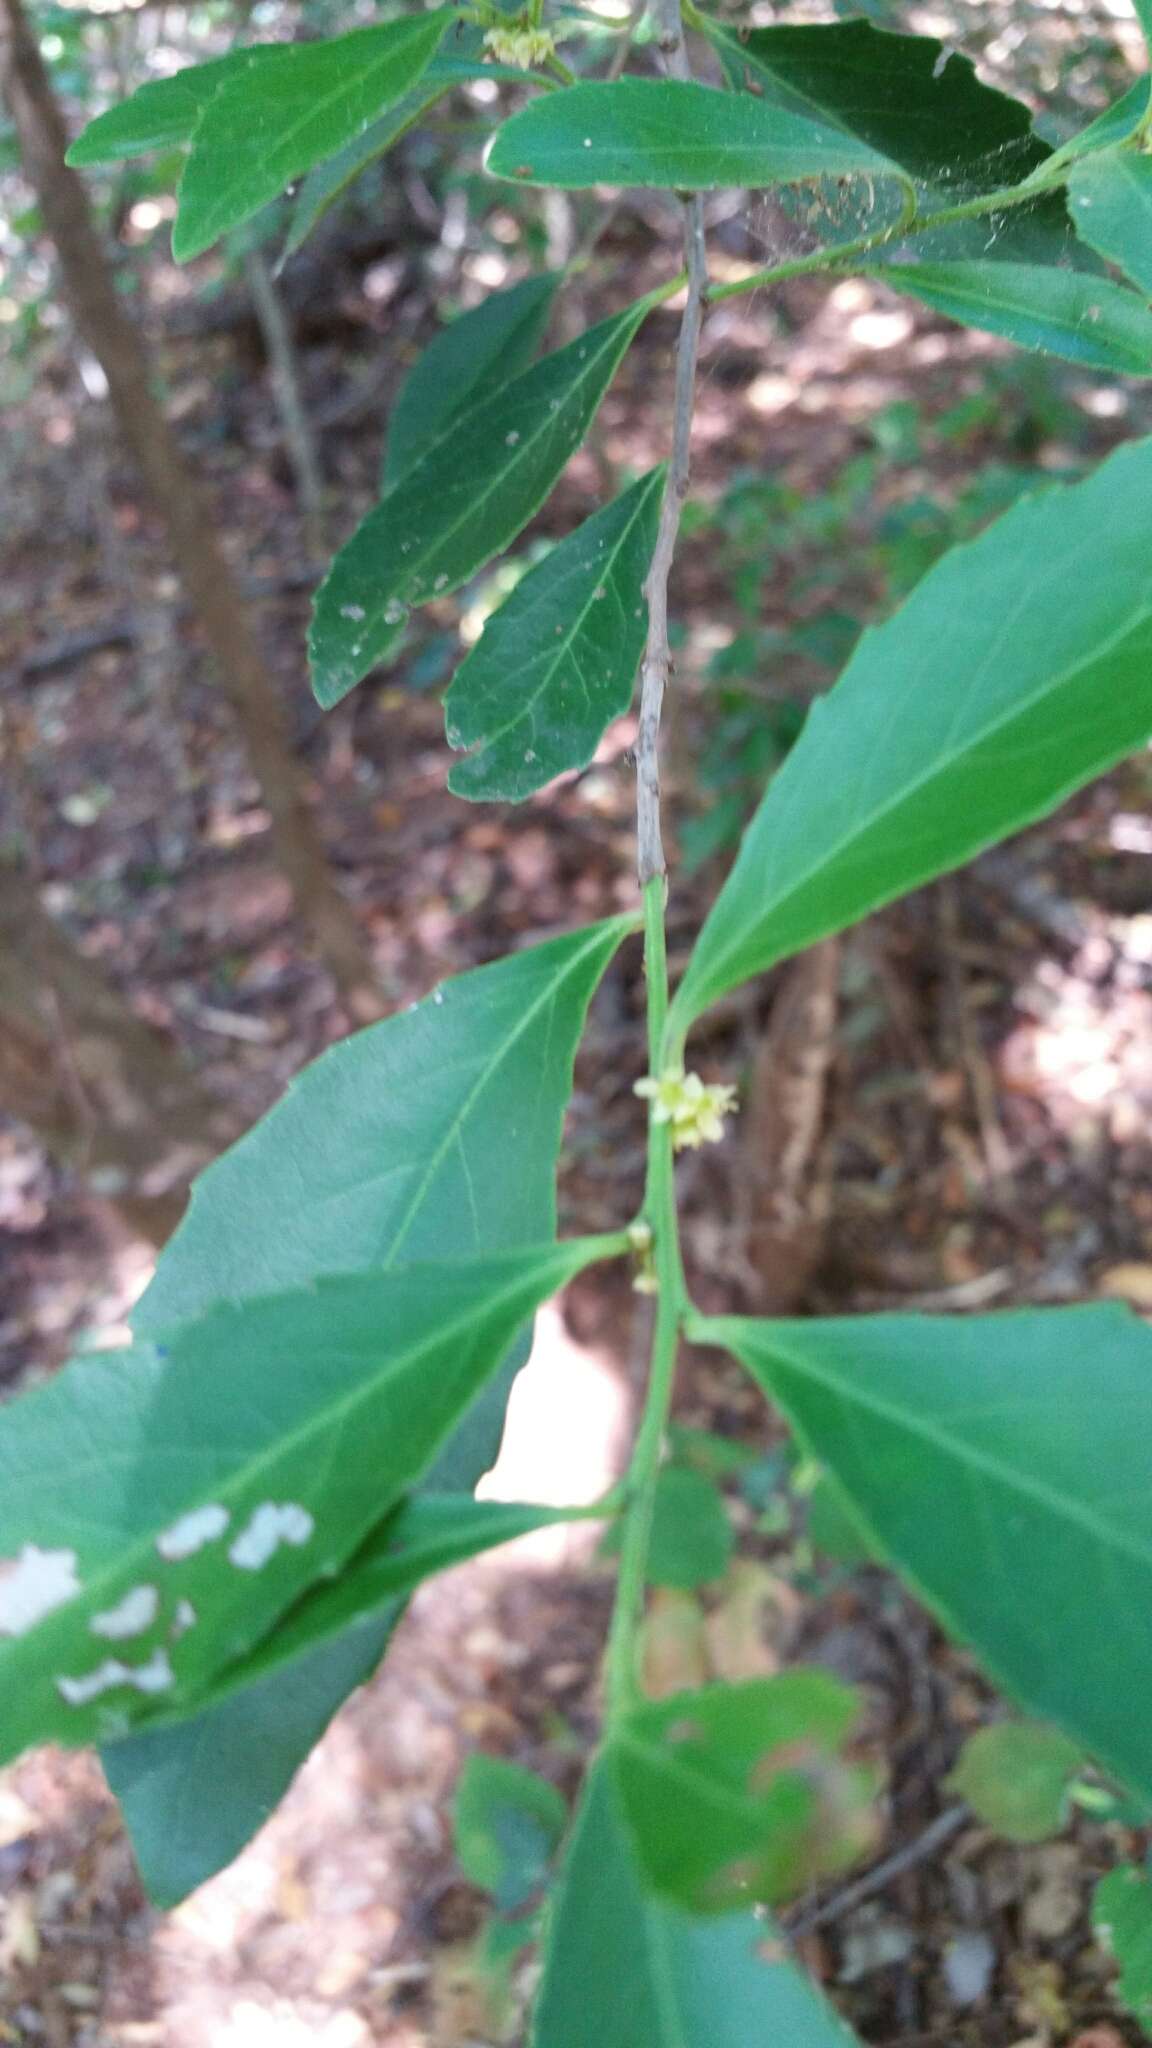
(154, 1676)
(132, 1616)
(270, 1527)
(34, 1585)
(195, 1529)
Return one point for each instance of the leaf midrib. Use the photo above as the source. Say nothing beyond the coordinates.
(272, 1651)
(481, 393)
(677, 151)
(927, 277)
(547, 424)
(658, 1943)
(332, 1417)
(563, 651)
(824, 115)
(343, 89)
(942, 764)
(599, 935)
(1061, 1506)
(656, 1757)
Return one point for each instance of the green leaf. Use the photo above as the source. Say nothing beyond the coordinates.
(264, 126)
(164, 113)
(834, 1526)
(1066, 313)
(429, 1533)
(907, 97)
(649, 131)
(414, 1139)
(328, 181)
(1001, 1463)
(508, 1826)
(1117, 124)
(1015, 1777)
(926, 111)
(471, 357)
(1018, 669)
(1110, 195)
(624, 1970)
(703, 1450)
(692, 1538)
(194, 1795)
(738, 1792)
(452, 65)
(1122, 1917)
(466, 498)
(557, 662)
(200, 1485)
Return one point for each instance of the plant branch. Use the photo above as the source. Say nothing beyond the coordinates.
(844, 255)
(660, 1192)
(644, 1470)
(805, 1921)
(657, 655)
(623, 50)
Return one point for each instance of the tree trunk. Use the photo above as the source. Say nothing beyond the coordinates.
(102, 1090)
(188, 519)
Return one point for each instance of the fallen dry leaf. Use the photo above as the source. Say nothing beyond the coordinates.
(1130, 1282)
(745, 1628)
(1040, 2000)
(674, 1646)
(1056, 1891)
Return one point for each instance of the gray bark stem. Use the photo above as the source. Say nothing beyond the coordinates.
(656, 663)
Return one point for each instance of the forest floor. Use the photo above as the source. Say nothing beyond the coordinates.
(979, 1138)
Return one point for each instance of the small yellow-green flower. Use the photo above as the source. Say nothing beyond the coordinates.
(520, 45)
(695, 1109)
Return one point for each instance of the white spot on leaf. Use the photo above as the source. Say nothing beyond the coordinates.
(271, 1526)
(198, 1527)
(33, 1585)
(133, 1614)
(183, 1619)
(155, 1676)
(355, 612)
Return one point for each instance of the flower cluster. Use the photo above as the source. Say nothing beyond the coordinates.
(520, 45)
(695, 1109)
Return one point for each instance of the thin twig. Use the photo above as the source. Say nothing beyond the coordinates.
(623, 50)
(284, 365)
(981, 1080)
(657, 656)
(934, 1837)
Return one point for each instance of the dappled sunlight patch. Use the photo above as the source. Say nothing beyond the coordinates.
(563, 1444)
